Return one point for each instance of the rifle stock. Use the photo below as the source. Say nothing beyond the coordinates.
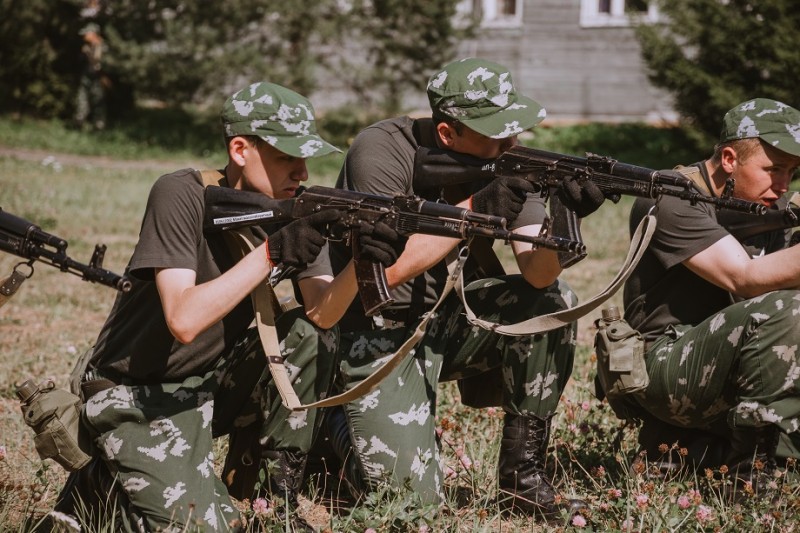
(228, 208)
(27, 240)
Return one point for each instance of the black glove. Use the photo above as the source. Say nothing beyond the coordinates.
(583, 198)
(503, 197)
(379, 243)
(297, 244)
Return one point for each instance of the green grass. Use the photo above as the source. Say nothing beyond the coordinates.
(55, 317)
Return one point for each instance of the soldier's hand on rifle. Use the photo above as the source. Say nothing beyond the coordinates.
(297, 244)
(583, 198)
(502, 197)
(380, 243)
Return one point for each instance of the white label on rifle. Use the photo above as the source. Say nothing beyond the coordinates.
(243, 218)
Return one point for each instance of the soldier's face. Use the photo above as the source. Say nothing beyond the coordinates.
(764, 176)
(467, 141)
(272, 172)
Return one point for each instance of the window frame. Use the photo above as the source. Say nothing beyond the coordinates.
(591, 17)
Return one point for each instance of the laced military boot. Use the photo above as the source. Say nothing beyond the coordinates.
(284, 470)
(751, 461)
(665, 451)
(524, 484)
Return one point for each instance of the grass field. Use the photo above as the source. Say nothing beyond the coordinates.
(55, 317)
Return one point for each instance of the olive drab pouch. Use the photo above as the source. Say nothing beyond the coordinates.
(621, 366)
(54, 416)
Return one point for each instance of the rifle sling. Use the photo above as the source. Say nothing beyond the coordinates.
(543, 323)
(265, 302)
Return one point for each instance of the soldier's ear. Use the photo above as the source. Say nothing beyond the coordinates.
(237, 146)
(446, 134)
(728, 159)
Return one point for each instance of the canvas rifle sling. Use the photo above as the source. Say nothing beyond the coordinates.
(550, 321)
(265, 305)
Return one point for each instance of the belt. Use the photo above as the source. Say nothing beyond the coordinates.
(92, 383)
(396, 318)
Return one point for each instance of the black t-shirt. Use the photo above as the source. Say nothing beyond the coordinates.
(135, 341)
(661, 291)
(381, 161)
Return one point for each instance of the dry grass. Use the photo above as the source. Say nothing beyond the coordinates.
(55, 317)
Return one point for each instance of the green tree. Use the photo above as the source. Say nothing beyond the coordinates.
(712, 54)
(393, 45)
(39, 56)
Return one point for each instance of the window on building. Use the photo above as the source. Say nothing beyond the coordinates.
(595, 13)
(500, 12)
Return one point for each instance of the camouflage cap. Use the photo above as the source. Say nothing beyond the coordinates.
(280, 116)
(481, 95)
(775, 123)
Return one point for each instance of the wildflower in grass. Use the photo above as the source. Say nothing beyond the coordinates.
(424, 528)
(627, 525)
(704, 514)
(614, 493)
(684, 502)
(642, 500)
(663, 448)
(695, 496)
(449, 473)
(586, 405)
(370, 530)
(491, 411)
(261, 508)
(2, 453)
(578, 521)
(723, 469)
(599, 472)
(766, 519)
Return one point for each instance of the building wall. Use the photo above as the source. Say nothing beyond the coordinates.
(577, 73)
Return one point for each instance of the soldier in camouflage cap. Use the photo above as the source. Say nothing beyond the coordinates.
(718, 308)
(177, 361)
(477, 113)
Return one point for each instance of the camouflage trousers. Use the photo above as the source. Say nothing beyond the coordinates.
(157, 439)
(740, 366)
(392, 428)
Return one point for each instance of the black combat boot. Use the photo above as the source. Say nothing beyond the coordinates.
(751, 461)
(524, 484)
(666, 451)
(284, 471)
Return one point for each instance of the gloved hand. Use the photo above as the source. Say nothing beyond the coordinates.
(503, 197)
(583, 198)
(379, 243)
(298, 243)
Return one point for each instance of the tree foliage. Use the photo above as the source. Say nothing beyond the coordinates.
(712, 54)
(181, 51)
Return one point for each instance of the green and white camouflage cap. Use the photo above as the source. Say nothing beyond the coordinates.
(280, 116)
(775, 123)
(481, 95)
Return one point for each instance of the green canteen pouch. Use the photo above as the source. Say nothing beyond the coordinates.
(620, 358)
(54, 415)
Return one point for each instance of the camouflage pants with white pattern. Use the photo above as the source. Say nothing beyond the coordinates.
(393, 428)
(741, 365)
(157, 439)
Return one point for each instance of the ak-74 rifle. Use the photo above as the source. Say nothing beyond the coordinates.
(436, 169)
(227, 208)
(28, 241)
(778, 217)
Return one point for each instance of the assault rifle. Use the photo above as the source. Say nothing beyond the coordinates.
(436, 169)
(27, 240)
(227, 208)
(784, 215)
